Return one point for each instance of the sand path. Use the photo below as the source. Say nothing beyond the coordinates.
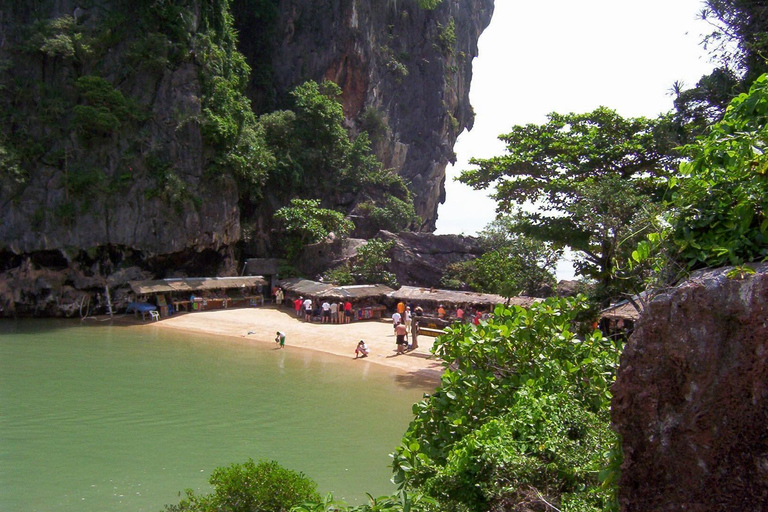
(262, 323)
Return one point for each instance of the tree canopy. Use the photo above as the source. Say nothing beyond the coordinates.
(720, 200)
(590, 176)
(511, 264)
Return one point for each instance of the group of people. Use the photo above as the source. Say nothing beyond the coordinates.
(327, 312)
(404, 324)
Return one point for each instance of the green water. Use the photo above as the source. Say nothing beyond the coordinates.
(105, 418)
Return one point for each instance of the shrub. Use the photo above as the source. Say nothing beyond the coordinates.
(249, 487)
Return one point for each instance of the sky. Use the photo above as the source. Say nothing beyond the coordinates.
(566, 56)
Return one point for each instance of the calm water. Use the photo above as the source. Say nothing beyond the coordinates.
(96, 417)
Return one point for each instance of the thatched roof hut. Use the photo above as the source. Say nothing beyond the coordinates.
(194, 284)
(435, 297)
(318, 290)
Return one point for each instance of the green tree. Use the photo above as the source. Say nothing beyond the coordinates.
(739, 44)
(305, 222)
(511, 264)
(501, 373)
(370, 263)
(720, 200)
(311, 155)
(250, 487)
(588, 175)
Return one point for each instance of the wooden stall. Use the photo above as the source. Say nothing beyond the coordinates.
(365, 298)
(200, 293)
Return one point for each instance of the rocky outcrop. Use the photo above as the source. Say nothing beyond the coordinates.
(110, 157)
(420, 259)
(405, 73)
(691, 398)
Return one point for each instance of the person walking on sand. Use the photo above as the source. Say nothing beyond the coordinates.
(361, 350)
(400, 333)
(280, 339)
(308, 310)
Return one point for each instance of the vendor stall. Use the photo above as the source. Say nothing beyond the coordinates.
(199, 293)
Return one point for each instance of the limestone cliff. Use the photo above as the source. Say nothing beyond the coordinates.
(125, 146)
(405, 72)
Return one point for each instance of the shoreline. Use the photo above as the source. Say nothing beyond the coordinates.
(260, 324)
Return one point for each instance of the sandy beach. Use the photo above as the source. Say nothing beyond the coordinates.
(259, 325)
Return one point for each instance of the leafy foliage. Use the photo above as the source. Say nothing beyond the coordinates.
(370, 263)
(545, 449)
(307, 223)
(590, 175)
(520, 360)
(249, 487)
(511, 264)
(720, 200)
(429, 4)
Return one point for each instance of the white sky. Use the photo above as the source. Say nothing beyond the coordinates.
(569, 56)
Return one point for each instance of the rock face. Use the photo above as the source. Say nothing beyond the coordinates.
(122, 171)
(420, 259)
(405, 72)
(691, 398)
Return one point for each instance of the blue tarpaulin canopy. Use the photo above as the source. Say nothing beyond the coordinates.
(141, 307)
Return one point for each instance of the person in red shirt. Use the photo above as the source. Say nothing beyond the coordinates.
(347, 312)
(297, 305)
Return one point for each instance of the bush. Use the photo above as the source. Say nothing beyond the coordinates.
(721, 199)
(250, 487)
(499, 373)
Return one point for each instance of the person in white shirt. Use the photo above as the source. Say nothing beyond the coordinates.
(326, 312)
(396, 319)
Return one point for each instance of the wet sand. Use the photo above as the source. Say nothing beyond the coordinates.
(259, 325)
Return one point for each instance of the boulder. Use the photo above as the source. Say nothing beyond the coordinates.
(691, 398)
(420, 259)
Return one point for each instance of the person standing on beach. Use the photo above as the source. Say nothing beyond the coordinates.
(334, 313)
(341, 312)
(407, 317)
(396, 319)
(297, 304)
(347, 312)
(326, 312)
(400, 333)
(308, 310)
(280, 339)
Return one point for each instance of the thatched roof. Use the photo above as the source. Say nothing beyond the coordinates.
(314, 289)
(193, 284)
(455, 297)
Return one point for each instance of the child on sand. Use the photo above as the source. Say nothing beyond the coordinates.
(280, 339)
(361, 350)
